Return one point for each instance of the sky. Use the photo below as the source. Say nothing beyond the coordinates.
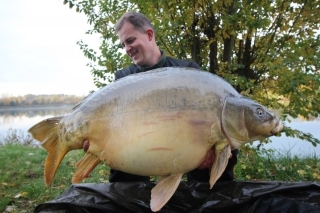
(38, 50)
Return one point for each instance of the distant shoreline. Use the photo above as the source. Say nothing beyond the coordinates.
(6, 108)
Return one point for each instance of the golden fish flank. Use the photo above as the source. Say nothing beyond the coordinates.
(161, 122)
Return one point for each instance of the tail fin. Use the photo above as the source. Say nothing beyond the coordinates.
(47, 132)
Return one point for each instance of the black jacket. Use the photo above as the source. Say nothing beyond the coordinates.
(168, 62)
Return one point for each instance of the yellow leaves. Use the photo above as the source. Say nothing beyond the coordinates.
(22, 194)
(316, 176)
(61, 186)
(272, 172)
(102, 172)
(252, 166)
(301, 172)
(102, 180)
(5, 185)
(105, 174)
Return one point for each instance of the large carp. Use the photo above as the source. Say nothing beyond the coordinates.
(161, 122)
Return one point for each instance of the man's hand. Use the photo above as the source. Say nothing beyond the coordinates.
(208, 161)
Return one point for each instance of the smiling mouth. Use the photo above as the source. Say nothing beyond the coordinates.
(133, 55)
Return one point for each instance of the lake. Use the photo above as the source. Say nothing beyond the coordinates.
(22, 119)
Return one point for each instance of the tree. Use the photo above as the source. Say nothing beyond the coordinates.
(268, 50)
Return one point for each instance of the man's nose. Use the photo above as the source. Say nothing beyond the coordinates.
(128, 48)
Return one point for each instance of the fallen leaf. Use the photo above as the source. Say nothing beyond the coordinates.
(17, 196)
(301, 172)
(272, 172)
(316, 176)
(10, 209)
(102, 172)
(22, 194)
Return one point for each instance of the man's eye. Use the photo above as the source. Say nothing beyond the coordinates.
(130, 41)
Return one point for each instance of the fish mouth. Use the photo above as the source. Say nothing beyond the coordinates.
(277, 129)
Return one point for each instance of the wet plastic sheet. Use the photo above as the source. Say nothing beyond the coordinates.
(193, 197)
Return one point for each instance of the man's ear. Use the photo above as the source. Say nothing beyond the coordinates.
(150, 33)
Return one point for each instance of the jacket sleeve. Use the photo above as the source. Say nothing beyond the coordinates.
(194, 65)
(124, 72)
(120, 74)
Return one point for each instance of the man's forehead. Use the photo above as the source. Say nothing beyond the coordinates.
(127, 30)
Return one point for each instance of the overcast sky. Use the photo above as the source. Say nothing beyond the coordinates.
(38, 50)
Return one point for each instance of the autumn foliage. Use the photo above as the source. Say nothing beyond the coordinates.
(268, 50)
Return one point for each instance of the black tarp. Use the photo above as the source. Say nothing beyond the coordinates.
(193, 197)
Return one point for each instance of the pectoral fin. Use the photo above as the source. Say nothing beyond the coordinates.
(163, 191)
(220, 163)
(85, 166)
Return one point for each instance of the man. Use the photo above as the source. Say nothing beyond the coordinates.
(137, 36)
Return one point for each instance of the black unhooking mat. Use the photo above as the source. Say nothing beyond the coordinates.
(193, 197)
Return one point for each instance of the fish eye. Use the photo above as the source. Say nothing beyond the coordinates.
(260, 111)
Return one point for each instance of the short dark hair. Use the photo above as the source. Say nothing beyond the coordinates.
(138, 20)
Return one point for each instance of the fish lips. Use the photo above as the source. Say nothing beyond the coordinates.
(277, 129)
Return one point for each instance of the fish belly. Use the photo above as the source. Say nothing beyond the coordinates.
(157, 143)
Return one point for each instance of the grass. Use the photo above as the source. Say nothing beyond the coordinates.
(267, 164)
(22, 185)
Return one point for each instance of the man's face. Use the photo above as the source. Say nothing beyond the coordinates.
(136, 44)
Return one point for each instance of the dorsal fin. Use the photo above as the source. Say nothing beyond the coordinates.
(81, 102)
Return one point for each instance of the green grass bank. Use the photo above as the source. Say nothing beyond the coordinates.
(22, 185)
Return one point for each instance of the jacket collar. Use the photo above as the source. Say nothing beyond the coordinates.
(157, 65)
